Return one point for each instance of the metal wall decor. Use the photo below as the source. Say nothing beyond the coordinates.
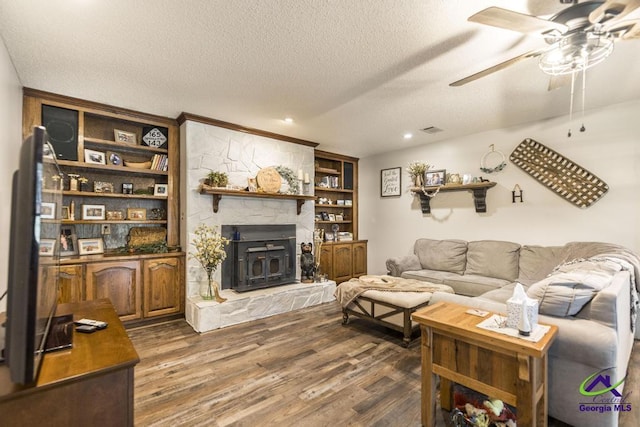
(565, 178)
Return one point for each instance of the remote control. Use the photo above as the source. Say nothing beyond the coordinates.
(90, 322)
(86, 329)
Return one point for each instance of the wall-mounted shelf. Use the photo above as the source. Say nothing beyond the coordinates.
(217, 194)
(479, 191)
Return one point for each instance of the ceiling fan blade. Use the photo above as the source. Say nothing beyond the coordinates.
(515, 21)
(626, 30)
(613, 10)
(556, 82)
(497, 67)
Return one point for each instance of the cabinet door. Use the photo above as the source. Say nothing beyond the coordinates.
(342, 262)
(120, 281)
(359, 259)
(162, 290)
(71, 285)
(326, 260)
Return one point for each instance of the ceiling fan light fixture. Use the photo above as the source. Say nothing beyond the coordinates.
(578, 52)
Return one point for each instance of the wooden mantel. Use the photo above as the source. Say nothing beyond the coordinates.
(479, 191)
(217, 194)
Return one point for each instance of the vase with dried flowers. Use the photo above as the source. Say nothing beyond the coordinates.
(209, 252)
(416, 171)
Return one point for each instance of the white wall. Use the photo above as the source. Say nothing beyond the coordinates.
(610, 149)
(10, 137)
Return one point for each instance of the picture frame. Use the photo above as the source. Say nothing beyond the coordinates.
(65, 212)
(68, 241)
(93, 212)
(435, 177)
(332, 217)
(324, 215)
(127, 188)
(124, 136)
(94, 157)
(90, 246)
(114, 216)
(47, 247)
(391, 182)
(161, 189)
(103, 187)
(136, 214)
(47, 210)
(339, 217)
(114, 159)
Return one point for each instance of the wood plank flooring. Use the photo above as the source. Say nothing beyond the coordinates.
(296, 369)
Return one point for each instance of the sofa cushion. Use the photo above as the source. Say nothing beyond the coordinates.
(432, 276)
(492, 258)
(566, 291)
(442, 255)
(473, 284)
(536, 262)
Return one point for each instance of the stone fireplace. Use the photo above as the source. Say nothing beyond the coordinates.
(259, 256)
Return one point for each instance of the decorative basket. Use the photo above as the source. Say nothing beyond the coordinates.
(141, 236)
(138, 165)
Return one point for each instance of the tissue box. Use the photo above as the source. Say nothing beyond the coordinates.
(514, 309)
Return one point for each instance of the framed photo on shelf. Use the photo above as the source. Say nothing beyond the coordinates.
(324, 215)
(124, 136)
(65, 212)
(68, 240)
(137, 214)
(47, 210)
(47, 247)
(102, 187)
(160, 189)
(127, 188)
(435, 177)
(90, 246)
(339, 217)
(93, 212)
(94, 157)
(114, 215)
(332, 217)
(390, 182)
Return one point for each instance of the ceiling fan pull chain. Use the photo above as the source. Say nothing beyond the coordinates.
(573, 83)
(584, 90)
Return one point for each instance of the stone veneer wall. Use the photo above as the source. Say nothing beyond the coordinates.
(205, 147)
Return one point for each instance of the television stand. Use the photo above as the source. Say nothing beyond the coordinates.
(91, 381)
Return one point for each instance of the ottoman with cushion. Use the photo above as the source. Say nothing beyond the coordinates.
(387, 301)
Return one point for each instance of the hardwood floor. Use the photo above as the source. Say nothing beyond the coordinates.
(301, 368)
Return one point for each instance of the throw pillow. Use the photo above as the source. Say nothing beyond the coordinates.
(572, 286)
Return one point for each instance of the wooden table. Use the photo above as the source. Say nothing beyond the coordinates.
(503, 367)
(89, 384)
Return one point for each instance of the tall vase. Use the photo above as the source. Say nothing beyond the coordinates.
(211, 291)
(418, 181)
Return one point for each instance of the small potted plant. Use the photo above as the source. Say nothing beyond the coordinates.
(217, 179)
(416, 172)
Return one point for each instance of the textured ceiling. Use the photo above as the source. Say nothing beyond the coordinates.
(354, 74)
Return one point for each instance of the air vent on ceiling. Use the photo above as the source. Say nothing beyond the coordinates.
(431, 129)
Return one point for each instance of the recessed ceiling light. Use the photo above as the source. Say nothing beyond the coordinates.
(408, 136)
(288, 120)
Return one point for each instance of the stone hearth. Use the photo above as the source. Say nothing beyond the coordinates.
(206, 316)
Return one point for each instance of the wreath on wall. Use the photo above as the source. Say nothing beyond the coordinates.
(288, 175)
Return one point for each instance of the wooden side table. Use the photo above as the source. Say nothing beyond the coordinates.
(503, 367)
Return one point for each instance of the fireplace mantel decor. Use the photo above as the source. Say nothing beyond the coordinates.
(217, 194)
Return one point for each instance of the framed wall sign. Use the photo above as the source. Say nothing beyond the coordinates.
(390, 182)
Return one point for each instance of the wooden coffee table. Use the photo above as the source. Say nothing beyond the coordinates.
(503, 367)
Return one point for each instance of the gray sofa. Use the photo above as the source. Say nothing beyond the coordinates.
(596, 318)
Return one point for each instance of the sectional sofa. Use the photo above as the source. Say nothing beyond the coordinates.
(588, 289)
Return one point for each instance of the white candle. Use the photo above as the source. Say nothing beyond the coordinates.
(300, 174)
(306, 178)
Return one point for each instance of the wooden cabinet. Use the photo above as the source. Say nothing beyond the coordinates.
(344, 260)
(162, 291)
(120, 171)
(119, 281)
(71, 284)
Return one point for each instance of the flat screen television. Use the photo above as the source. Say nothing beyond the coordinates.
(33, 263)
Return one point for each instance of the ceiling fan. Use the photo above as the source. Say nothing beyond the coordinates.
(578, 37)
